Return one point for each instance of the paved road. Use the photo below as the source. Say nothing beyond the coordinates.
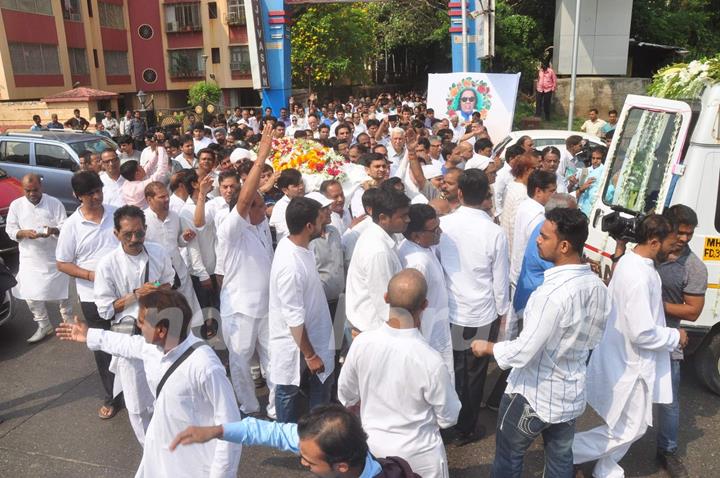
(49, 395)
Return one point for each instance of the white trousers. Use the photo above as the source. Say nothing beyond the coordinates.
(609, 445)
(430, 464)
(130, 376)
(243, 335)
(40, 313)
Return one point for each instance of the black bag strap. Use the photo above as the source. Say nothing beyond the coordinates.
(175, 365)
(146, 273)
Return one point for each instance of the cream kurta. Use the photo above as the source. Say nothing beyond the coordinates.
(38, 277)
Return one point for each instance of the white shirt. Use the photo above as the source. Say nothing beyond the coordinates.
(277, 218)
(183, 162)
(395, 158)
(515, 194)
(562, 183)
(474, 254)
(176, 204)
(119, 273)
(112, 190)
(340, 223)
(502, 179)
(434, 325)
(563, 321)
(38, 277)
(111, 126)
(405, 392)
(350, 238)
(84, 243)
(374, 261)
(201, 144)
(200, 251)
(478, 161)
(530, 213)
(637, 344)
(197, 393)
(247, 261)
(297, 298)
(593, 128)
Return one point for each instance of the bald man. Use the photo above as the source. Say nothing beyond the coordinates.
(34, 221)
(395, 361)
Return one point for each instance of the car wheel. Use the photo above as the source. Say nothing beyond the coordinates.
(7, 307)
(707, 363)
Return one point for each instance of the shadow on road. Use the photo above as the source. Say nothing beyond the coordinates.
(50, 397)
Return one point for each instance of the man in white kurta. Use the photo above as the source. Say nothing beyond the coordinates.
(291, 184)
(630, 369)
(34, 221)
(198, 391)
(131, 267)
(301, 334)
(164, 228)
(374, 261)
(405, 393)
(417, 252)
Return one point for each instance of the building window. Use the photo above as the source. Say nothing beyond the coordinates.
(116, 63)
(34, 59)
(182, 17)
(212, 10)
(236, 13)
(215, 53)
(149, 75)
(78, 61)
(145, 31)
(71, 10)
(43, 7)
(187, 63)
(240, 59)
(111, 15)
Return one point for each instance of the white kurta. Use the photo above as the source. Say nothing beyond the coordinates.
(297, 298)
(374, 262)
(635, 345)
(277, 218)
(435, 325)
(515, 194)
(37, 277)
(112, 193)
(529, 214)
(200, 251)
(406, 395)
(197, 393)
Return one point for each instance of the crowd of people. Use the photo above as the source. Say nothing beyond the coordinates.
(382, 301)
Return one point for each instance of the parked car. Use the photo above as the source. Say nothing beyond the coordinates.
(10, 189)
(54, 155)
(546, 137)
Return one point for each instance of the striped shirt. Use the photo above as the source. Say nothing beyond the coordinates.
(564, 319)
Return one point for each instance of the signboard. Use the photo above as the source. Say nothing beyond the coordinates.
(256, 45)
(485, 28)
(493, 95)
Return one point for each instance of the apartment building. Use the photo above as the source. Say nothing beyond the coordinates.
(160, 47)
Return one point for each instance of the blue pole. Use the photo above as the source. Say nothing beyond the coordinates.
(277, 44)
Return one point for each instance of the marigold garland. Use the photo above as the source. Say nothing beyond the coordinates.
(308, 157)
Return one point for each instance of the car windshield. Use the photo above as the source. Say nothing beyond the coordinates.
(96, 145)
(641, 158)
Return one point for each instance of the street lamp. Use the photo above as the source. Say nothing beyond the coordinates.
(141, 98)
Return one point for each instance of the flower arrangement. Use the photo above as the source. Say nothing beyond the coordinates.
(307, 156)
(479, 89)
(685, 80)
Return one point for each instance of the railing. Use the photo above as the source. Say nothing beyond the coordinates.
(240, 67)
(185, 73)
(174, 27)
(235, 16)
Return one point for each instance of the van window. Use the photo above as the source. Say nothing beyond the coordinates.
(641, 159)
(15, 152)
(53, 156)
(96, 145)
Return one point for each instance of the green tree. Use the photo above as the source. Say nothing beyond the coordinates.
(332, 44)
(203, 92)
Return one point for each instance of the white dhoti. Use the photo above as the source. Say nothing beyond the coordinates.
(608, 445)
(130, 379)
(243, 335)
(429, 464)
(40, 313)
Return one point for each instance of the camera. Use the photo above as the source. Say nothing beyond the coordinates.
(621, 227)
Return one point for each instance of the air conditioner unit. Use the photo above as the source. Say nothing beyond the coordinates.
(171, 27)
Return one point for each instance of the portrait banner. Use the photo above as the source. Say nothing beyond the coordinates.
(492, 95)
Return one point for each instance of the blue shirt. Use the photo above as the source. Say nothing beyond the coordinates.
(532, 273)
(282, 436)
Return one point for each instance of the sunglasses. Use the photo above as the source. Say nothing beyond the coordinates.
(467, 99)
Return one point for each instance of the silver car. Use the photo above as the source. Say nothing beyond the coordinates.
(54, 155)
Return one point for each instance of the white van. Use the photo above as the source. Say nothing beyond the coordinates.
(667, 152)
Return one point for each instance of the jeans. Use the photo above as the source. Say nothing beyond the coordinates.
(287, 398)
(543, 104)
(669, 415)
(518, 426)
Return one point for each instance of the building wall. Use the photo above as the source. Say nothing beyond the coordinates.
(603, 93)
(151, 53)
(17, 115)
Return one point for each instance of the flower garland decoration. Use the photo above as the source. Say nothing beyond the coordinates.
(307, 156)
(478, 87)
(685, 80)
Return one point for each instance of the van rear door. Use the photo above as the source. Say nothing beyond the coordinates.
(642, 166)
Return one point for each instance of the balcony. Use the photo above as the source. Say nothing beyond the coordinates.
(235, 18)
(175, 27)
(240, 68)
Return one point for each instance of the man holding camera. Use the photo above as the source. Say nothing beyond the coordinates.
(630, 369)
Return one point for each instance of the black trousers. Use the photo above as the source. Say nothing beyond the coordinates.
(470, 371)
(102, 359)
(207, 297)
(542, 104)
(499, 388)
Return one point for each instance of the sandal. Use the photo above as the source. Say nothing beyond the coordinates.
(209, 329)
(106, 412)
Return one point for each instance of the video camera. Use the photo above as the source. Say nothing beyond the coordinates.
(621, 227)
